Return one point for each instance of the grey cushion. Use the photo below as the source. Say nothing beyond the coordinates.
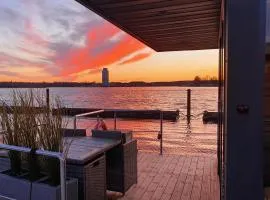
(113, 134)
(70, 132)
(117, 135)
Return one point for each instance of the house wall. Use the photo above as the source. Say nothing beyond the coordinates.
(268, 21)
(267, 65)
(267, 123)
(266, 105)
(244, 81)
(267, 91)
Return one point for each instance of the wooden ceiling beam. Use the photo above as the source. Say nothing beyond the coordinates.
(183, 32)
(162, 24)
(158, 6)
(183, 37)
(164, 11)
(185, 47)
(183, 42)
(168, 19)
(156, 25)
(172, 29)
(128, 3)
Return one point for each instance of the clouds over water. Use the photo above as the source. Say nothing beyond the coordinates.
(59, 40)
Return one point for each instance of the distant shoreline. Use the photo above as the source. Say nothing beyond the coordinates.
(203, 83)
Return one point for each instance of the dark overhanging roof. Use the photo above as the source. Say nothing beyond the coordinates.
(164, 25)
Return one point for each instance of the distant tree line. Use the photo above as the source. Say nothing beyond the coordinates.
(205, 78)
(197, 82)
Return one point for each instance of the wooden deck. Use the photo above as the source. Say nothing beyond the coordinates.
(175, 177)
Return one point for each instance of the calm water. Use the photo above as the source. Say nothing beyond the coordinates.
(178, 136)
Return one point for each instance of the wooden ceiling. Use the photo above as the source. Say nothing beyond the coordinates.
(164, 25)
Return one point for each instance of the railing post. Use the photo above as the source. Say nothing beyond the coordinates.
(75, 124)
(48, 97)
(161, 132)
(63, 178)
(114, 120)
(188, 105)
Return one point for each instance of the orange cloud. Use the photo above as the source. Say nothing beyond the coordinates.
(100, 33)
(83, 58)
(136, 58)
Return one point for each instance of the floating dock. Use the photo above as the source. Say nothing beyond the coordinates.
(210, 117)
(125, 114)
(119, 113)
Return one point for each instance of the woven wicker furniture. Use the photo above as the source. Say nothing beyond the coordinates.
(122, 167)
(86, 161)
(91, 178)
(99, 164)
(121, 161)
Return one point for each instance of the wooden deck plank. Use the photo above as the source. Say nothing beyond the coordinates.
(175, 177)
(214, 186)
(179, 165)
(161, 187)
(161, 179)
(196, 189)
(167, 193)
(178, 190)
(143, 193)
(186, 194)
(205, 193)
(179, 187)
(149, 173)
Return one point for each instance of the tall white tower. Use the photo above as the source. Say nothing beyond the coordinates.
(105, 77)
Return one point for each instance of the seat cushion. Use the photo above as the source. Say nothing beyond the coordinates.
(113, 134)
(70, 132)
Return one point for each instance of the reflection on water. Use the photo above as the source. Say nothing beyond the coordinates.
(179, 137)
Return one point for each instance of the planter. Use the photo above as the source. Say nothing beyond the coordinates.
(4, 164)
(14, 187)
(42, 191)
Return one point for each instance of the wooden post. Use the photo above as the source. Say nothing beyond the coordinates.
(188, 105)
(48, 97)
(161, 133)
(115, 120)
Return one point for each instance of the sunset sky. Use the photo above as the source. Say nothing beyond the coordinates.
(60, 40)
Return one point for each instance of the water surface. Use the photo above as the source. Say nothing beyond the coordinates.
(179, 137)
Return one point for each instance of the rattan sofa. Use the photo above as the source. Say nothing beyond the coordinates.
(121, 161)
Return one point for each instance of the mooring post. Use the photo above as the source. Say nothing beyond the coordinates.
(115, 118)
(188, 105)
(161, 132)
(48, 97)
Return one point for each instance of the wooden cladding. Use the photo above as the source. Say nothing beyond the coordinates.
(164, 25)
(267, 91)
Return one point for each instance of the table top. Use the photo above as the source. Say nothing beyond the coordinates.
(81, 150)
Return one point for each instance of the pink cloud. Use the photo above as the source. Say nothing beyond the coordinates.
(136, 58)
(80, 59)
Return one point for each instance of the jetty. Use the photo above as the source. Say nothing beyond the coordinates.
(125, 114)
(173, 177)
(210, 117)
(119, 113)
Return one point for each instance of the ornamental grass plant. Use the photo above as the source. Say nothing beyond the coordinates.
(30, 122)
